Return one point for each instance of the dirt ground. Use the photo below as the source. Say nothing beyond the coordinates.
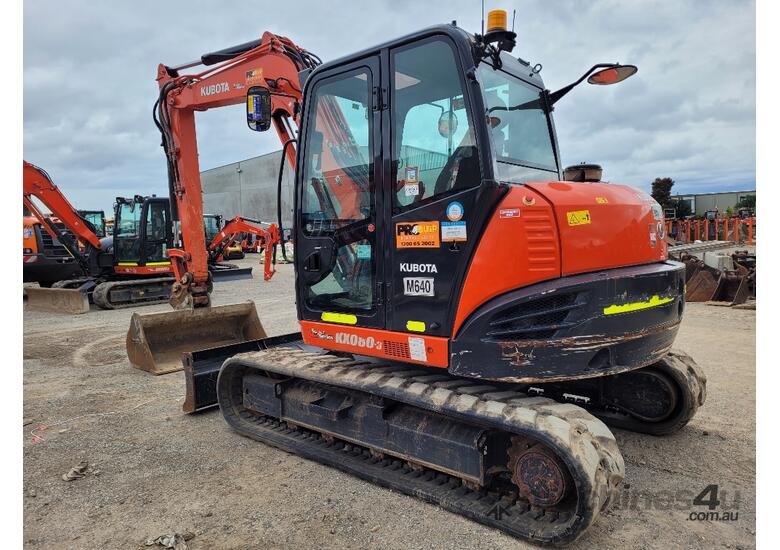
(154, 470)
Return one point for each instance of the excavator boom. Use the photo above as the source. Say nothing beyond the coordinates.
(273, 62)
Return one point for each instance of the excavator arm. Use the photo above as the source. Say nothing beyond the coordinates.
(37, 184)
(272, 62)
(267, 233)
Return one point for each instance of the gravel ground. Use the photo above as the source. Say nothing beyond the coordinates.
(154, 470)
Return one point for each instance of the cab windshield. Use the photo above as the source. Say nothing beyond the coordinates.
(519, 127)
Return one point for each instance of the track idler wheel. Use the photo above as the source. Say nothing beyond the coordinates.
(540, 476)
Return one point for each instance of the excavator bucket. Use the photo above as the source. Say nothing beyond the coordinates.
(156, 341)
(701, 287)
(57, 300)
(732, 290)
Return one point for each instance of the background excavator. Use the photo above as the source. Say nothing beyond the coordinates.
(465, 314)
(128, 268)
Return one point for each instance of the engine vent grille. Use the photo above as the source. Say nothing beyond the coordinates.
(396, 349)
(535, 319)
(51, 247)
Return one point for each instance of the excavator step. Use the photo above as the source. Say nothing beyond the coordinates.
(542, 472)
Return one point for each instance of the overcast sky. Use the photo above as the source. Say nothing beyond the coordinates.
(689, 114)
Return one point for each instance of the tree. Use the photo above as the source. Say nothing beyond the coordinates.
(662, 191)
(748, 201)
(683, 208)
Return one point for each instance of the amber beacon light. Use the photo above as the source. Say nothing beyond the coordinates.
(496, 20)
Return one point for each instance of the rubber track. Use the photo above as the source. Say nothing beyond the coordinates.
(583, 442)
(691, 380)
(101, 292)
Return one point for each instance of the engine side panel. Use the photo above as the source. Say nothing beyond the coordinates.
(605, 225)
(519, 247)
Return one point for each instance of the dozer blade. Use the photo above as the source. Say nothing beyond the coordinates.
(58, 300)
(155, 341)
(201, 368)
(222, 272)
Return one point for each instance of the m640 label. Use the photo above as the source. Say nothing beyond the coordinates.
(418, 286)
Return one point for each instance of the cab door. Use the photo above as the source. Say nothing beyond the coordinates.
(156, 232)
(337, 245)
(436, 204)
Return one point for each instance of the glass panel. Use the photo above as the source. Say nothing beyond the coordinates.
(338, 191)
(96, 219)
(436, 152)
(128, 227)
(519, 126)
(211, 226)
(156, 232)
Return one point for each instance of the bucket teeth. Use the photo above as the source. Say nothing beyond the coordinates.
(156, 341)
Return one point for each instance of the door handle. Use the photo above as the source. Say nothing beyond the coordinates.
(312, 262)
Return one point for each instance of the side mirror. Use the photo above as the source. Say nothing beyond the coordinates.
(258, 108)
(609, 73)
(612, 75)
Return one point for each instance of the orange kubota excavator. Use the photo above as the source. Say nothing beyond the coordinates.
(107, 273)
(128, 268)
(469, 321)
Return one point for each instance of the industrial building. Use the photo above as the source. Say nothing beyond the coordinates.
(702, 202)
(248, 188)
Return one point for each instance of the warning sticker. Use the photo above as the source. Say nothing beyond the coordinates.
(411, 181)
(578, 217)
(509, 213)
(417, 349)
(417, 235)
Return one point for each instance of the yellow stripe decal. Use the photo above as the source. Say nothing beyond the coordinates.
(636, 306)
(158, 263)
(127, 263)
(415, 326)
(343, 318)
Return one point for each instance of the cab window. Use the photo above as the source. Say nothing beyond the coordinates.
(434, 149)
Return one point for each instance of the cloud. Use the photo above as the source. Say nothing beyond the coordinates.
(90, 67)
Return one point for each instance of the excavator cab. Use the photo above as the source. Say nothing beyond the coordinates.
(97, 219)
(142, 232)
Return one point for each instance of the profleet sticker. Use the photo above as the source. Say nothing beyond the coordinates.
(453, 231)
(417, 235)
(578, 217)
(454, 211)
(509, 213)
(255, 76)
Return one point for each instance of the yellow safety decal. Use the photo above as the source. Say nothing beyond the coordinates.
(159, 263)
(127, 263)
(635, 306)
(578, 217)
(343, 318)
(602, 200)
(415, 326)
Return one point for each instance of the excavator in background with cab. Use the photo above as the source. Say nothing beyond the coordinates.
(470, 321)
(128, 268)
